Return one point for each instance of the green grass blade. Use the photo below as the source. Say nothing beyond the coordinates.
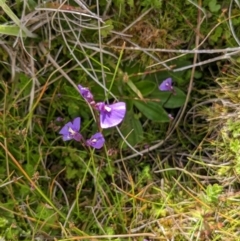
(11, 30)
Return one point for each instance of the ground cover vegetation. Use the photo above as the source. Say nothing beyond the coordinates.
(119, 120)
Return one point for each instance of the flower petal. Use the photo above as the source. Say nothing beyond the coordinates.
(67, 137)
(166, 85)
(77, 136)
(70, 130)
(85, 93)
(100, 106)
(77, 123)
(96, 141)
(113, 117)
(65, 129)
(59, 119)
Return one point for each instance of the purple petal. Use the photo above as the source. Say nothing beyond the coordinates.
(67, 137)
(65, 129)
(77, 136)
(96, 141)
(166, 85)
(59, 119)
(85, 93)
(170, 117)
(112, 115)
(70, 130)
(100, 106)
(77, 123)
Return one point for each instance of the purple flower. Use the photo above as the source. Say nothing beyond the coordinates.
(86, 94)
(71, 130)
(59, 119)
(96, 141)
(166, 85)
(111, 115)
(170, 117)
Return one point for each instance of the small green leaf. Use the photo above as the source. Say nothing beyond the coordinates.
(213, 6)
(29, 168)
(198, 74)
(134, 88)
(146, 87)
(73, 109)
(152, 110)
(43, 212)
(72, 173)
(130, 3)
(24, 85)
(234, 145)
(132, 129)
(212, 192)
(70, 91)
(11, 30)
(152, 3)
(3, 222)
(217, 34)
(108, 26)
